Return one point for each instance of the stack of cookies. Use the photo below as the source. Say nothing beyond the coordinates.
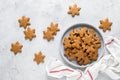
(82, 45)
(51, 31)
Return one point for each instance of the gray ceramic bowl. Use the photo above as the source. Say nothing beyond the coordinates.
(66, 34)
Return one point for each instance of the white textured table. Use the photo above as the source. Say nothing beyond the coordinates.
(42, 13)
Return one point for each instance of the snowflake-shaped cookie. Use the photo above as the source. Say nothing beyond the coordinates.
(105, 24)
(53, 28)
(74, 10)
(39, 58)
(48, 35)
(16, 47)
(24, 22)
(29, 33)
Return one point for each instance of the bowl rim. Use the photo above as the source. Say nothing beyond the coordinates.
(72, 27)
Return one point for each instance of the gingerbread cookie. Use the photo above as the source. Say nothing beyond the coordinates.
(24, 22)
(95, 55)
(96, 39)
(90, 55)
(74, 10)
(90, 49)
(76, 44)
(54, 28)
(16, 47)
(82, 45)
(72, 57)
(48, 35)
(92, 33)
(68, 52)
(67, 43)
(39, 58)
(87, 39)
(51, 31)
(74, 51)
(86, 60)
(97, 42)
(80, 62)
(83, 31)
(75, 32)
(98, 45)
(80, 55)
(105, 25)
(29, 33)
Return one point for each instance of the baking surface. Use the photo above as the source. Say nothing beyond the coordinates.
(42, 13)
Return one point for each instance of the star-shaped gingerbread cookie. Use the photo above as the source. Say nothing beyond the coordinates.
(74, 10)
(16, 47)
(24, 22)
(29, 33)
(39, 58)
(48, 35)
(67, 43)
(83, 31)
(87, 39)
(54, 28)
(105, 24)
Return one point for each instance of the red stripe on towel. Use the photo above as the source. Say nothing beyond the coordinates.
(109, 42)
(90, 74)
(61, 70)
(80, 76)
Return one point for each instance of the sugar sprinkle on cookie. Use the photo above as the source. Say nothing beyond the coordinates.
(16, 47)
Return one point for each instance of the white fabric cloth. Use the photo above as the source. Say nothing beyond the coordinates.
(108, 66)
